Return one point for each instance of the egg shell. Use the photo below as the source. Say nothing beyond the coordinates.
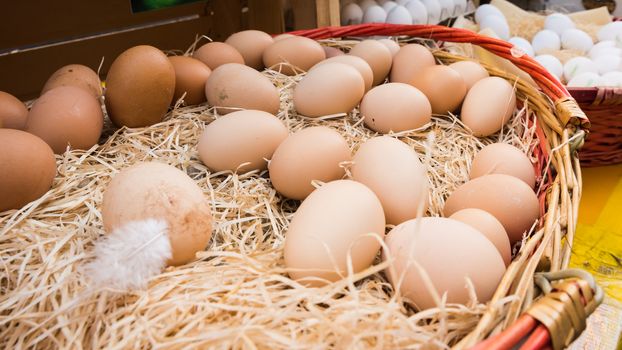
(139, 87)
(234, 86)
(392, 45)
(377, 56)
(284, 36)
(399, 15)
(215, 54)
(447, 9)
(490, 227)
(575, 39)
(485, 11)
(395, 107)
(75, 75)
(374, 14)
(365, 4)
(299, 52)
(332, 51)
(578, 65)
(241, 141)
(153, 190)
(545, 41)
(13, 112)
(329, 89)
(558, 23)
(443, 86)
(500, 100)
(351, 14)
(310, 154)
(523, 45)
(470, 71)
(460, 7)
(387, 5)
(585, 79)
(552, 64)
(433, 7)
(356, 62)
(603, 45)
(27, 168)
(418, 11)
(604, 51)
(611, 31)
(66, 116)
(449, 251)
(608, 63)
(506, 197)
(251, 45)
(502, 158)
(409, 62)
(392, 169)
(339, 220)
(612, 79)
(190, 78)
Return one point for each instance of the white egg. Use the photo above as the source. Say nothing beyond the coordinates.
(558, 23)
(522, 44)
(578, 65)
(575, 39)
(545, 41)
(399, 15)
(402, 2)
(418, 12)
(460, 7)
(382, 2)
(388, 6)
(611, 79)
(365, 4)
(498, 24)
(351, 14)
(374, 14)
(434, 10)
(611, 31)
(603, 47)
(552, 64)
(607, 63)
(586, 79)
(447, 9)
(487, 10)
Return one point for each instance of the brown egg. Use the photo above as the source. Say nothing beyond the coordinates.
(139, 87)
(356, 62)
(443, 86)
(241, 141)
(234, 86)
(499, 99)
(490, 227)
(395, 107)
(392, 45)
(409, 62)
(75, 75)
(251, 44)
(392, 169)
(215, 54)
(310, 154)
(377, 56)
(507, 198)
(501, 158)
(292, 56)
(27, 168)
(471, 72)
(339, 221)
(13, 112)
(449, 252)
(159, 191)
(329, 89)
(190, 77)
(66, 116)
(284, 36)
(332, 51)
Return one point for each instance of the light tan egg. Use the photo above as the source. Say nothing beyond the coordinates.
(234, 86)
(215, 54)
(342, 219)
(501, 158)
(13, 112)
(409, 62)
(292, 56)
(443, 86)
(488, 106)
(471, 72)
(395, 107)
(332, 51)
(75, 75)
(190, 77)
(251, 45)
(329, 89)
(314, 153)
(356, 62)
(377, 56)
(392, 45)
(241, 141)
(283, 36)
(449, 252)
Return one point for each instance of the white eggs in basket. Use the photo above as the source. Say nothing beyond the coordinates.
(497, 24)
(447, 9)
(460, 7)
(575, 39)
(586, 79)
(558, 23)
(522, 44)
(418, 12)
(611, 79)
(578, 65)
(611, 31)
(351, 14)
(607, 47)
(399, 15)
(434, 11)
(374, 14)
(485, 11)
(545, 41)
(607, 63)
(387, 6)
(402, 2)
(552, 64)
(365, 4)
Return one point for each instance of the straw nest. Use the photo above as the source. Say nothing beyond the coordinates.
(236, 294)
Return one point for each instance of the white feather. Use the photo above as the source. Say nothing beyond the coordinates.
(130, 255)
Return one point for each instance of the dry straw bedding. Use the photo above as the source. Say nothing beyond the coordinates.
(237, 293)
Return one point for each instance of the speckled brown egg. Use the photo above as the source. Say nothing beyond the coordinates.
(251, 45)
(501, 158)
(377, 56)
(234, 86)
(75, 75)
(499, 99)
(27, 168)
(66, 116)
(471, 72)
(409, 62)
(13, 112)
(190, 77)
(329, 89)
(356, 62)
(443, 86)
(139, 87)
(215, 54)
(395, 107)
(294, 55)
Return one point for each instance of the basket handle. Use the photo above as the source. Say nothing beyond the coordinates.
(567, 108)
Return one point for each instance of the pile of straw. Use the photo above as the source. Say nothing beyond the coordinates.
(237, 293)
